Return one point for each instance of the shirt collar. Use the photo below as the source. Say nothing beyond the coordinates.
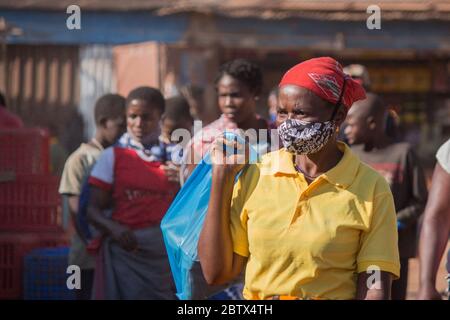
(342, 175)
(127, 141)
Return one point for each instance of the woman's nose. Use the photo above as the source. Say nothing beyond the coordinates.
(227, 101)
(347, 129)
(139, 121)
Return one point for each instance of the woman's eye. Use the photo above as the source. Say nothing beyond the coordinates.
(298, 112)
(132, 116)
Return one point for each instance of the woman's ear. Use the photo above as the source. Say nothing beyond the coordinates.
(102, 122)
(341, 114)
(371, 123)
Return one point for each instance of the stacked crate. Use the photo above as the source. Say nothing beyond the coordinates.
(45, 275)
(30, 211)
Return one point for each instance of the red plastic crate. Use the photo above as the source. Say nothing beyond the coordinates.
(13, 248)
(30, 203)
(25, 151)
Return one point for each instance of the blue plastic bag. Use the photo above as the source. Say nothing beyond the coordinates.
(182, 224)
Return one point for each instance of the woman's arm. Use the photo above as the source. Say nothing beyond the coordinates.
(99, 201)
(371, 286)
(215, 248)
(434, 234)
(73, 202)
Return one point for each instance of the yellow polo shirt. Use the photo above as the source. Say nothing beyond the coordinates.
(311, 241)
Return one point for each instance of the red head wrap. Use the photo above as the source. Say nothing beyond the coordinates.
(324, 77)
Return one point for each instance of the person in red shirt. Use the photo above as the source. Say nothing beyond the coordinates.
(8, 120)
(131, 178)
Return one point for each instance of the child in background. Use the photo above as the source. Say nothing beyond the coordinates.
(132, 261)
(109, 114)
(176, 116)
(399, 165)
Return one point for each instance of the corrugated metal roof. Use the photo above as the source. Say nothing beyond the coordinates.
(107, 27)
(266, 9)
(322, 9)
(41, 84)
(113, 5)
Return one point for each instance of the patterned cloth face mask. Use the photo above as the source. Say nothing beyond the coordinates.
(301, 137)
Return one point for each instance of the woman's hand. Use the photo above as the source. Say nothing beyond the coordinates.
(171, 171)
(124, 237)
(229, 155)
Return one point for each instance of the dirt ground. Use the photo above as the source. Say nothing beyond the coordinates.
(413, 277)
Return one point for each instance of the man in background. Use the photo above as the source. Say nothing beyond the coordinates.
(109, 114)
(399, 165)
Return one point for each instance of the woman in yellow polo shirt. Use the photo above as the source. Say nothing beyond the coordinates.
(309, 221)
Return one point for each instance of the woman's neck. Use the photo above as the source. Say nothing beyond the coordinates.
(249, 123)
(318, 163)
(99, 139)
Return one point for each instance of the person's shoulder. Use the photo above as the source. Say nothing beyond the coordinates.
(205, 132)
(444, 148)
(264, 162)
(215, 125)
(109, 153)
(356, 147)
(77, 166)
(443, 156)
(84, 151)
(406, 152)
(366, 172)
(84, 156)
(272, 162)
(369, 179)
(77, 155)
(252, 172)
(270, 157)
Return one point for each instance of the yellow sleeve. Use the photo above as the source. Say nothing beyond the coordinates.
(379, 244)
(238, 217)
